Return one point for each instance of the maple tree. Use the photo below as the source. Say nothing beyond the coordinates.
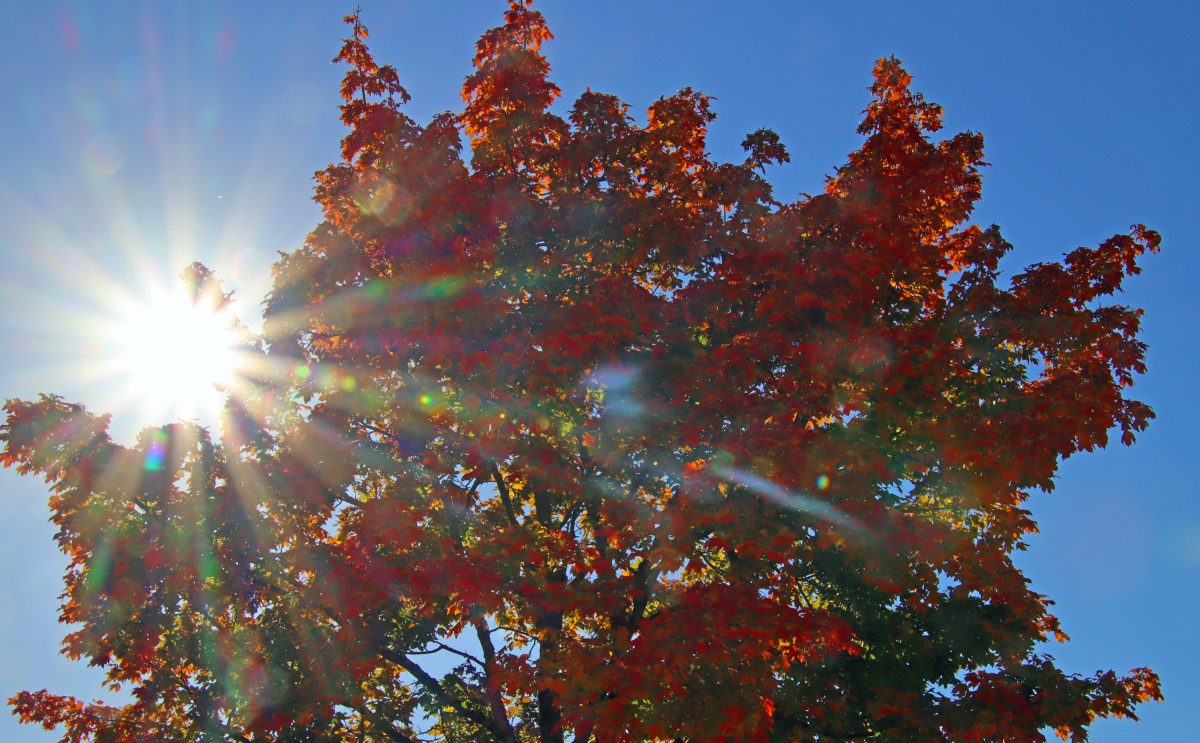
(589, 437)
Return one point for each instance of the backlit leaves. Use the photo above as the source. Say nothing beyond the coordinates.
(587, 436)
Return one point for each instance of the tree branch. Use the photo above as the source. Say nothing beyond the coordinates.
(549, 712)
(502, 487)
(460, 653)
(386, 726)
(501, 730)
(493, 695)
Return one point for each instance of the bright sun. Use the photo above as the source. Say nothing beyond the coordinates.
(176, 356)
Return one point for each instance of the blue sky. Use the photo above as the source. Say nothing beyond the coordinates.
(138, 137)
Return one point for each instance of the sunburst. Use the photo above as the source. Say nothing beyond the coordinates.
(173, 354)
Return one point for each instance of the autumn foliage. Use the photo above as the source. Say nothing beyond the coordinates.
(577, 434)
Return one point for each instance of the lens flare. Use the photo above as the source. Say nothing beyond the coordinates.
(156, 453)
(174, 356)
(785, 498)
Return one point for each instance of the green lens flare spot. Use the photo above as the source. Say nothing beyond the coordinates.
(441, 288)
(156, 452)
(375, 289)
(98, 570)
(209, 569)
(822, 482)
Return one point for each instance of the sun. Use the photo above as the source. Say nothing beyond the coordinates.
(174, 354)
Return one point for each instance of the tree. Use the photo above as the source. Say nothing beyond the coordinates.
(592, 438)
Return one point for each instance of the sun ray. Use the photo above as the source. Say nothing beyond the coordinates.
(172, 354)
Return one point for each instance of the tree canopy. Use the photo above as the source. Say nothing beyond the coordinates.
(577, 434)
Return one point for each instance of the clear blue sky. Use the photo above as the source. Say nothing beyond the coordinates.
(138, 137)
